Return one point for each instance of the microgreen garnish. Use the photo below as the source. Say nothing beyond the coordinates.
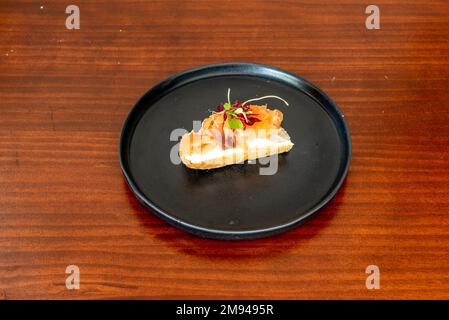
(235, 123)
(265, 97)
(238, 114)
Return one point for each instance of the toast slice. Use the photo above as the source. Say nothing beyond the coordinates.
(232, 136)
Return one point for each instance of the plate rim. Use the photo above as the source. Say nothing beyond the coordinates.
(180, 78)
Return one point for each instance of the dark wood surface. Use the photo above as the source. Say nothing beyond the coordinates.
(64, 95)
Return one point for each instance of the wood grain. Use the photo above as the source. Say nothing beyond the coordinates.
(64, 95)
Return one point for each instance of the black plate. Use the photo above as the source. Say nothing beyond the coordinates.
(235, 202)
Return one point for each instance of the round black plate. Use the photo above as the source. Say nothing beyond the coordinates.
(235, 202)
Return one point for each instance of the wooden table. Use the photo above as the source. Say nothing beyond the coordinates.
(64, 95)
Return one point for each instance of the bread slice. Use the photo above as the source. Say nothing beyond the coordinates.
(216, 145)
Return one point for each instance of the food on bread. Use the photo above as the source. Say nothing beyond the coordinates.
(234, 133)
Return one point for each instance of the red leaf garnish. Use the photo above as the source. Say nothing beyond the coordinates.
(251, 121)
(237, 104)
